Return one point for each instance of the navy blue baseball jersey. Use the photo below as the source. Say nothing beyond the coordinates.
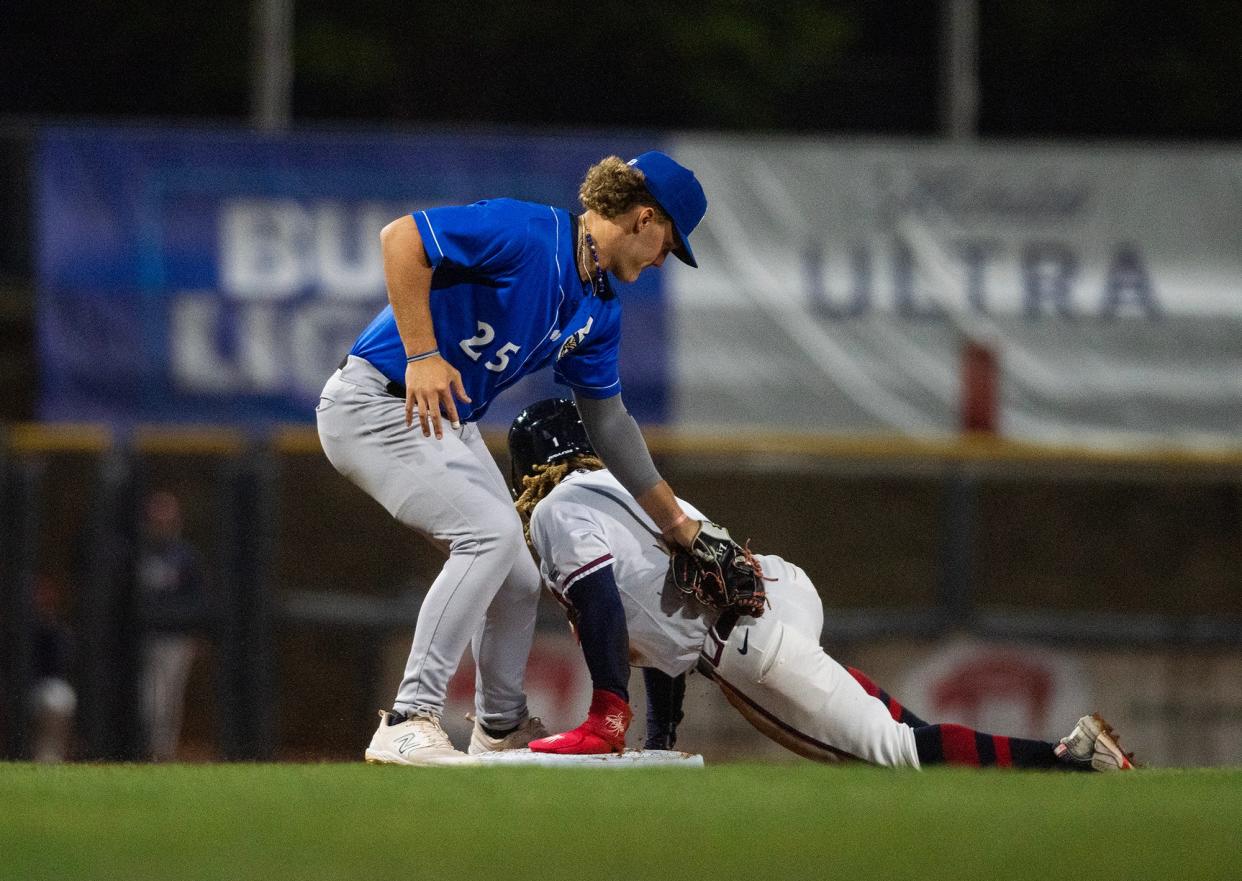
(506, 300)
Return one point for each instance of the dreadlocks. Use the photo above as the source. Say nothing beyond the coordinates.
(544, 480)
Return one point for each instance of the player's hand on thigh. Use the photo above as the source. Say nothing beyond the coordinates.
(430, 387)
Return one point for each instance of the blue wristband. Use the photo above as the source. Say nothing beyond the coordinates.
(412, 358)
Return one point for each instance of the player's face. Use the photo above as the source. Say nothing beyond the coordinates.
(649, 243)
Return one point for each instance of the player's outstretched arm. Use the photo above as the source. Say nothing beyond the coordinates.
(661, 505)
(619, 442)
(430, 382)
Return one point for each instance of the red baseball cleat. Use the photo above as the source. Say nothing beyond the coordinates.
(603, 731)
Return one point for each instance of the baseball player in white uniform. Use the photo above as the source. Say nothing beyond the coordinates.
(590, 536)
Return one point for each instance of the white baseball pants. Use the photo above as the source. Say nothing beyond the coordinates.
(452, 492)
(773, 670)
(166, 663)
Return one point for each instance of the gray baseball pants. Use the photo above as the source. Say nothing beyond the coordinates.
(452, 492)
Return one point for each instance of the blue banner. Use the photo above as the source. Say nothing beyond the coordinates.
(220, 276)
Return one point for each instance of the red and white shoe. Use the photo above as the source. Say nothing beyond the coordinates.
(1093, 740)
(603, 731)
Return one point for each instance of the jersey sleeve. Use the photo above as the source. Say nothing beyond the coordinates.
(569, 542)
(484, 236)
(592, 368)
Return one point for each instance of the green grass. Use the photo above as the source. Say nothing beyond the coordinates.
(752, 822)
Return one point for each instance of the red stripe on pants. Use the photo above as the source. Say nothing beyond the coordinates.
(862, 679)
(1003, 757)
(958, 743)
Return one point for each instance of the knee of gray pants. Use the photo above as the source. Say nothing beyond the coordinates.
(501, 536)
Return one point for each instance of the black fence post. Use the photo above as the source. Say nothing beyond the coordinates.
(247, 634)
(957, 582)
(11, 701)
(20, 484)
(109, 713)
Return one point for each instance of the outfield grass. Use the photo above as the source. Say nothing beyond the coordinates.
(760, 822)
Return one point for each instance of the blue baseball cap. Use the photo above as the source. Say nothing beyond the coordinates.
(679, 193)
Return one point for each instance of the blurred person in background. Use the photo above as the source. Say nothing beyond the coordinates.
(479, 296)
(172, 608)
(54, 700)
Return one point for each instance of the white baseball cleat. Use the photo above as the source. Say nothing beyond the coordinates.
(1093, 741)
(519, 738)
(416, 740)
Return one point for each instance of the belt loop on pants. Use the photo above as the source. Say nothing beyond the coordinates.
(719, 634)
(725, 624)
(396, 389)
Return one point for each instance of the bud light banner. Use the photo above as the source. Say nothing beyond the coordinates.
(1056, 294)
(221, 276)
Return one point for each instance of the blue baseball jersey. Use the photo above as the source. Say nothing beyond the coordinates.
(506, 300)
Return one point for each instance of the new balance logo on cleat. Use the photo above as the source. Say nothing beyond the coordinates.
(418, 740)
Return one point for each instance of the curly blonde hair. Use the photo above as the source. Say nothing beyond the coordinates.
(611, 188)
(545, 479)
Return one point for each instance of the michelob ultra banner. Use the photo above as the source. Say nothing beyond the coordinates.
(846, 286)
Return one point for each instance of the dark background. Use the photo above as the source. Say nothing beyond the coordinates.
(905, 537)
(1056, 68)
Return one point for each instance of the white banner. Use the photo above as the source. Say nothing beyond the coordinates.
(840, 283)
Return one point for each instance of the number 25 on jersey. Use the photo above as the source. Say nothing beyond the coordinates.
(473, 348)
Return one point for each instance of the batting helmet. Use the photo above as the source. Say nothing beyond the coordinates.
(543, 433)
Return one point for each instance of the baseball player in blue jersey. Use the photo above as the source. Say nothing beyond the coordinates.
(479, 296)
(603, 558)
